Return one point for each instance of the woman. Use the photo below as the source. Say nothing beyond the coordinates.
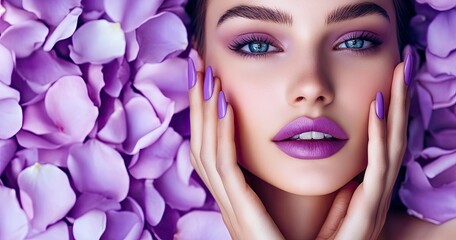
(317, 103)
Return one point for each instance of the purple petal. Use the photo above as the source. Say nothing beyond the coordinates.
(146, 235)
(154, 160)
(7, 150)
(131, 14)
(116, 74)
(183, 164)
(64, 30)
(441, 5)
(178, 194)
(94, 76)
(123, 225)
(24, 38)
(201, 225)
(13, 221)
(114, 129)
(442, 89)
(87, 202)
(160, 36)
(170, 76)
(68, 105)
(425, 101)
(90, 225)
(144, 127)
(14, 13)
(440, 165)
(97, 168)
(52, 11)
(24, 158)
(57, 157)
(7, 92)
(58, 231)
(149, 199)
(438, 36)
(46, 194)
(11, 118)
(7, 63)
(97, 42)
(437, 65)
(132, 46)
(42, 69)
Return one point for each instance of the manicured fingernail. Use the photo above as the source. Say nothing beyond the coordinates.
(379, 106)
(208, 84)
(191, 73)
(221, 105)
(409, 65)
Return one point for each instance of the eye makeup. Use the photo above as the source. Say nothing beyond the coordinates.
(358, 42)
(254, 45)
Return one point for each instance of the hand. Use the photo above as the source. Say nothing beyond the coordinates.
(213, 155)
(368, 207)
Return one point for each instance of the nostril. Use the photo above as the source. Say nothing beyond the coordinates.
(320, 99)
(299, 99)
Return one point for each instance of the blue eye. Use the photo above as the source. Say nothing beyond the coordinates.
(254, 45)
(258, 47)
(359, 42)
(355, 44)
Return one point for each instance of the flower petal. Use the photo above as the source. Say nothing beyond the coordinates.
(201, 225)
(438, 36)
(149, 199)
(441, 5)
(87, 202)
(123, 225)
(97, 168)
(113, 128)
(7, 63)
(64, 30)
(97, 42)
(57, 231)
(24, 38)
(46, 194)
(13, 221)
(90, 225)
(7, 150)
(51, 11)
(10, 118)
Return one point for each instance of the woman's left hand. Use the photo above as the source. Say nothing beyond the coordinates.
(363, 216)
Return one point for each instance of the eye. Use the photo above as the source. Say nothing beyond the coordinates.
(355, 44)
(359, 42)
(254, 45)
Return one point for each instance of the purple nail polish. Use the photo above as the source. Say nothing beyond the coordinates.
(409, 65)
(208, 84)
(379, 106)
(191, 73)
(221, 105)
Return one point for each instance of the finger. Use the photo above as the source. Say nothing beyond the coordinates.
(337, 212)
(248, 207)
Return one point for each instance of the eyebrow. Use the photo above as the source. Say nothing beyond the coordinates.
(344, 13)
(353, 11)
(257, 13)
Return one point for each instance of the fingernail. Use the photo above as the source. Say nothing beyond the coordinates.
(379, 106)
(191, 73)
(208, 84)
(409, 65)
(221, 105)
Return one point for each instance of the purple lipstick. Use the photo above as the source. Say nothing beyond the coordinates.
(309, 139)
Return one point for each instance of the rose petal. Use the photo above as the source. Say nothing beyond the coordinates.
(441, 5)
(7, 150)
(13, 221)
(437, 65)
(114, 128)
(87, 202)
(161, 36)
(24, 38)
(90, 225)
(201, 225)
(97, 42)
(149, 199)
(439, 165)
(15, 14)
(183, 164)
(57, 231)
(123, 225)
(46, 194)
(131, 14)
(7, 63)
(116, 74)
(438, 36)
(10, 118)
(52, 11)
(64, 30)
(97, 168)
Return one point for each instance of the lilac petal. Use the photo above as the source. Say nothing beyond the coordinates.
(68, 105)
(7, 92)
(442, 89)
(425, 105)
(439, 165)
(7, 63)
(97, 42)
(438, 36)
(144, 127)
(28, 96)
(183, 164)
(160, 36)
(97, 168)
(178, 194)
(170, 76)
(15, 14)
(201, 225)
(42, 69)
(87, 202)
(13, 221)
(131, 14)
(24, 38)
(437, 65)
(90, 225)
(132, 46)
(146, 235)
(46, 194)
(57, 157)
(114, 130)
(58, 231)
(149, 199)
(124, 225)
(94, 76)
(154, 160)
(53, 11)
(7, 150)
(24, 158)
(64, 30)
(441, 5)
(116, 74)
(10, 118)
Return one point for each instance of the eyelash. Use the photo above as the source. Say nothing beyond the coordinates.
(238, 44)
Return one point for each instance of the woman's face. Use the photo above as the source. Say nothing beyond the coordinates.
(313, 67)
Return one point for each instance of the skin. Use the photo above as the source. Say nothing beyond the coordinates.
(277, 194)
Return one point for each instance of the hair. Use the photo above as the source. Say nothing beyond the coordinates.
(197, 11)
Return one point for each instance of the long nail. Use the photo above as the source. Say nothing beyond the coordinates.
(221, 105)
(379, 106)
(191, 73)
(409, 65)
(208, 84)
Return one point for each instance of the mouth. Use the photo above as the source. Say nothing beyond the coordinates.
(310, 139)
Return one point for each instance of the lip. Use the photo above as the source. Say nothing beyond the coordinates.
(310, 149)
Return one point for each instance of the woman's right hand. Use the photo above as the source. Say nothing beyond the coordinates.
(213, 155)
